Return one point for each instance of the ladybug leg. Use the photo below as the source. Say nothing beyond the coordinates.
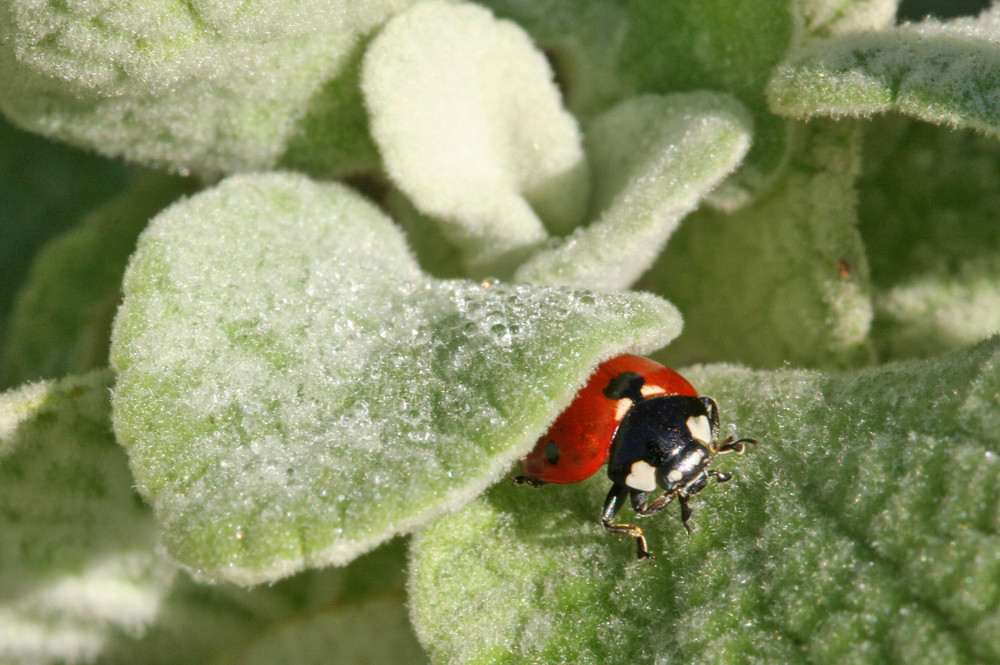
(720, 476)
(685, 512)
(525, 480)
(642, 508)
(614, 502)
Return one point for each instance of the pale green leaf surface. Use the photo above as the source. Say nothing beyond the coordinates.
(207, 86)
(223, 623)
(863, 528)
(471, 127)
(293, 390)
(78, 563)
(929, 205)
(654, 158)
(945, 72)
(62, 318)
(784, 279)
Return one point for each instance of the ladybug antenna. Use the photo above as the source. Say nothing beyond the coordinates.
(730, 446)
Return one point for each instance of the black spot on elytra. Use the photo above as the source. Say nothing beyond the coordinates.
(552, 453)
(626, 384)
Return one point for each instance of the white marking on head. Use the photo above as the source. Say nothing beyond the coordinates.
(624, 404)
(700, 429)
(692, 461)
(675, 476)
(651, 389)
(642, 477)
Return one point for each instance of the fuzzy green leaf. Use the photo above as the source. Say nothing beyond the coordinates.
(654, 159)
(863, 528)
(293, 390)
(472, 129)
(210, 85)
(62, 319)
(945, 72)
(78, 563)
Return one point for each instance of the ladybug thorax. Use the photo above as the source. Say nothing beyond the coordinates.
(664, 442)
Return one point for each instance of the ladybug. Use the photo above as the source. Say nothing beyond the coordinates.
(651, 428)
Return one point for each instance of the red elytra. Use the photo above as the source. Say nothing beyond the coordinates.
(579, 441)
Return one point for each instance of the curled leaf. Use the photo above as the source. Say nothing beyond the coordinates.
(655, 158)
(471, 127)
(943, 72)
(293, 390)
